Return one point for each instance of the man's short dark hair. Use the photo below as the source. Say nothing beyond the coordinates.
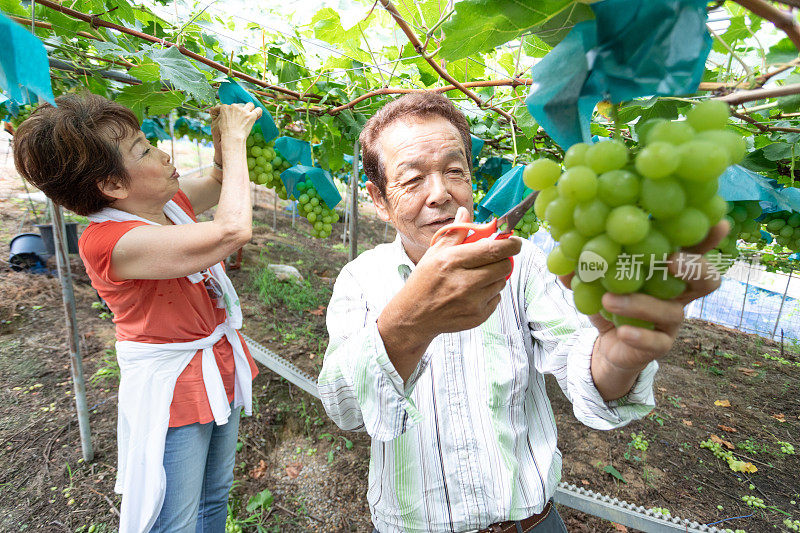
(68, 150)
(414, 105)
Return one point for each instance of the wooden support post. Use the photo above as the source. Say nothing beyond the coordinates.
(780, 309)
(68, 296)
(354, 205)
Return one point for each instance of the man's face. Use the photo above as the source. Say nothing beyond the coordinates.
(427, 179)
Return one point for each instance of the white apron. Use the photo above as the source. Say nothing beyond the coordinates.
(148, 376)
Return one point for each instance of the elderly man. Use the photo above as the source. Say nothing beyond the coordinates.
(442, 361)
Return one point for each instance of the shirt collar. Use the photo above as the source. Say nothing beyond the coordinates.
(400, 258)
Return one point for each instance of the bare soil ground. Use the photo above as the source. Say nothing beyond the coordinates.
(715, 383)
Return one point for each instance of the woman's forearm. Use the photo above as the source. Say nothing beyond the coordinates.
(234, 212)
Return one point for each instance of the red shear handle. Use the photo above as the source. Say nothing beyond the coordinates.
(475, 233)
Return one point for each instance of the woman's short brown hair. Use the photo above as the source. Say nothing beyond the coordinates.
(410, 105)
(68, 150)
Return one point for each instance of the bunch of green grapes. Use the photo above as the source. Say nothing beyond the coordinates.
(785, 226)
(527, 226)
(265, 164)
(312, 206)
(742, 217)
(610, 213)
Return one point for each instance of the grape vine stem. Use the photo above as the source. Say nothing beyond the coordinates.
(412, 37)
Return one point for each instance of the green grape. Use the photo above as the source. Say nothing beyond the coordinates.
(543, 200)
(590, 217)
(623, 279)
(786, 231)
(654, 247)
(715, 210)
(643, 129)
(776, 225)
(627, 224)
(664, 286)
(619, 320)
(606, 156)
(618, 187)
(733, 144)
(571, 244)
(702, 161)
(261, 161)
(754, 211)
(576, 155)
(251, 163)
(558, 263)
(256, 151)
(670, 132)
(578, 184)
(587, 296)
(663, 198)
(708, 115)
(312, 217)
(559, 213)
(739, 214)
(793, 220)
(657, 160)
(268, 166)
(541, 174)
(688, 228)
(699, 192)
(277, 161)
(250, 141)
(314, 200)
(603, 246)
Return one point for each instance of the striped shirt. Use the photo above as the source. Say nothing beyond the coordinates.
(470, 438)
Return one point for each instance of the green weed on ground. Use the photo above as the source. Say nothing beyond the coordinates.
(297, 297)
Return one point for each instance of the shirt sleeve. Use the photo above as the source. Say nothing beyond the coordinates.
(97, 244)
(563, 340)
(359, 387)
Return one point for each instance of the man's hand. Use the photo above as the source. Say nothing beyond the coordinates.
(621, 353)
(454, 287)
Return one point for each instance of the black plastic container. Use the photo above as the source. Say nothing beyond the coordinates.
(46, 231)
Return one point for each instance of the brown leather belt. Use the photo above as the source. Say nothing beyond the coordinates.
(519, 526)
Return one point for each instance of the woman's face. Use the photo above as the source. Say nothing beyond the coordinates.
(152, 178)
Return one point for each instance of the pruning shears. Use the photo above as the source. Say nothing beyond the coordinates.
(497, 228)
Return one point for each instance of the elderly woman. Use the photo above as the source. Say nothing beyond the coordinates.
(185, 370)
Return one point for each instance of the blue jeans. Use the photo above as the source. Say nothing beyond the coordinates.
(198, 460)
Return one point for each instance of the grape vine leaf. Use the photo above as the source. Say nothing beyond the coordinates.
(526, 122)
(782, 52)
(13, 7)
(481, 25)
(182, 74)
(148, 98)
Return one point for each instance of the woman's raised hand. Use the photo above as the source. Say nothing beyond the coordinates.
(234, 121)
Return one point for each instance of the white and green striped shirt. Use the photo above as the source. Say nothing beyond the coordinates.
(470, 439)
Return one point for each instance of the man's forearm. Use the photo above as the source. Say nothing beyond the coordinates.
(611, 382)
(404, 341)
